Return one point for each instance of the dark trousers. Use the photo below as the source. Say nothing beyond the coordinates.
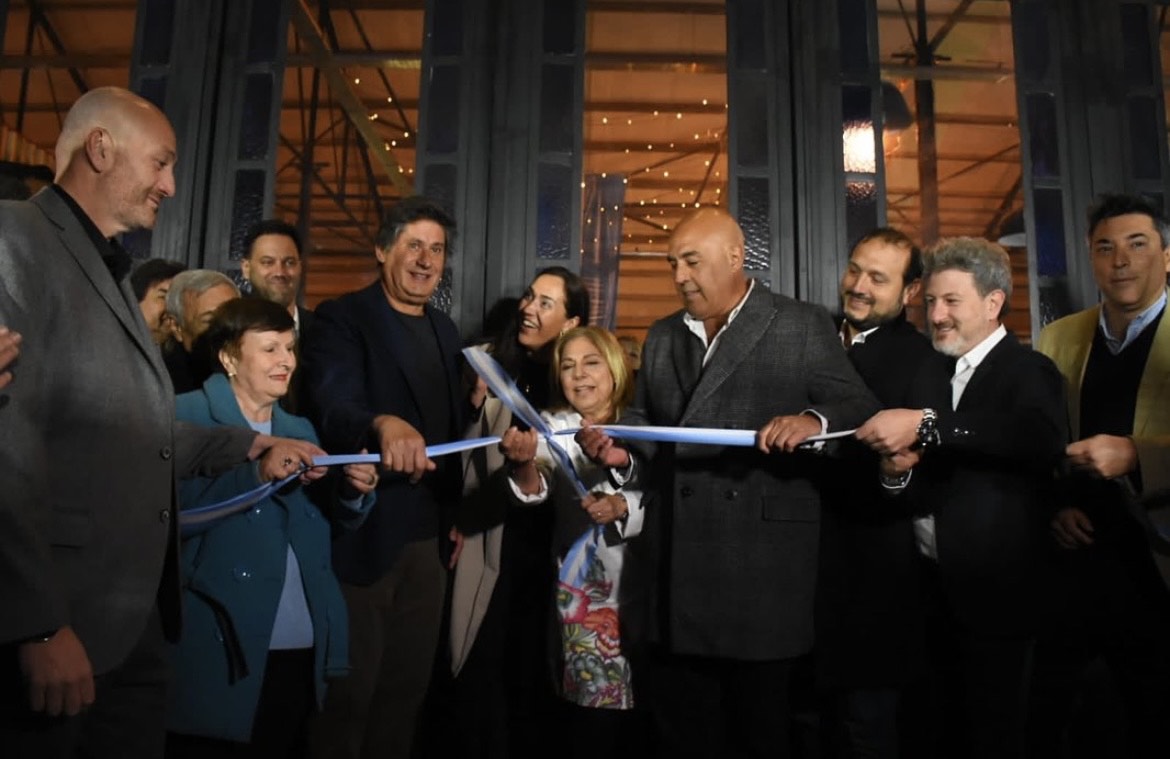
(1118, 614)
(978, 694)
(278, 730)
(504, 701)
(705, 706)
(127, 718)
(862, 724)
(609, 733)
(393, 632)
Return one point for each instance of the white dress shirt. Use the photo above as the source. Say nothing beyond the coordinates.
(965, 366)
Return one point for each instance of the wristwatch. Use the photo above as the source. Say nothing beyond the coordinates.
(928, 436)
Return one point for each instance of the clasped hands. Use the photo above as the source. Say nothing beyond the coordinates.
(519, 448)
(1101, 457)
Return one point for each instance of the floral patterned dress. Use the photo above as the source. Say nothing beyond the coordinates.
(595, 672)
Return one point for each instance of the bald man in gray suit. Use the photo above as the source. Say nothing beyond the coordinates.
(89, 450)
(737, 528)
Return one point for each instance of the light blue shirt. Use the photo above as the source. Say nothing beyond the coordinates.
(293, 627)
(1140, 322)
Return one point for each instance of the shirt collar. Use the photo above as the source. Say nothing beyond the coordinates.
(974, 357)
(696, 325)
(1141, 321)
(116, 259)
(859, 338)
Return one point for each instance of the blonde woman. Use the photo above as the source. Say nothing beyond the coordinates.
(593, 385)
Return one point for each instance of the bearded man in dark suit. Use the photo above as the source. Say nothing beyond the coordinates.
(869, 620)
(89, 450)
(976, 454)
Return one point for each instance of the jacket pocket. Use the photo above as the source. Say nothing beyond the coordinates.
(794, 509)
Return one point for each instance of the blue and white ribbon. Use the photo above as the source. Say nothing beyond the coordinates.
(202, 514)
(505, 389)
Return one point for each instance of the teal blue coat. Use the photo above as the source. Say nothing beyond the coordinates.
(233, 572)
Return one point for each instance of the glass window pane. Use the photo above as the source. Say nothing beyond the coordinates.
(256, 117)
(247, 207)
(1143, 138)
(554, 199)
(439, 184)
(751, 124)
(854, 40)
(749, 35)
(1137, 58)
(861, 214)
(755, 205)
(448, 28)
(560, 27)
(657, 118)
(1050, 247)
(556, 107)
(263, 32)
(158, 28)
(443, 113)
(1043, 140)
(1033, 48)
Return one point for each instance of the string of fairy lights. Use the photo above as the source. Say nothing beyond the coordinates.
(677, 150)
(659, 207)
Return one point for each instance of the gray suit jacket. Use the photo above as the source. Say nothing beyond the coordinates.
(737, 529)
(89, 448)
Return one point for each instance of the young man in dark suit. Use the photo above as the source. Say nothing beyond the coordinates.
(975, 453)
(868, 609)
(383, 374)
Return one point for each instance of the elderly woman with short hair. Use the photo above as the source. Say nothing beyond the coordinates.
(265, 623)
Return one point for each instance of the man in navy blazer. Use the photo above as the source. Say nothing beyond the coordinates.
(89, 450)
(383, 374)
(975, 454)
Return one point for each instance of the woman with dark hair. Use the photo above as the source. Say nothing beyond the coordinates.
(502, 597)
(265, 624)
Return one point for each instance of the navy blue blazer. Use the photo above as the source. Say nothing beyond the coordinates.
(359, 363)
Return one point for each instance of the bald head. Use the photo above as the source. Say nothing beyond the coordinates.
(706, 256)
(711, 222)
(116, 157)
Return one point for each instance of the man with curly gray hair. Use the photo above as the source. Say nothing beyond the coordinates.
(973, 458)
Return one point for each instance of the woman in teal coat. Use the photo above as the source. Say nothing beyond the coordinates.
(264, 620)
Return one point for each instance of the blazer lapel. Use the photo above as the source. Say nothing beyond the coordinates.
(222, 405)
(736, 344)
(1155, 378)
(394, 339)
(1079, 346)
(686, 351)
(117, 297)
(985, 369)
(449, 350)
